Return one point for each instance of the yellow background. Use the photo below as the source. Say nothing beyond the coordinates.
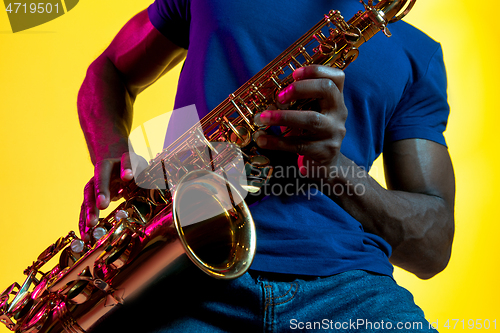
(45, 164)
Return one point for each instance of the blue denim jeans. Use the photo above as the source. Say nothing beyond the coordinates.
(355, 301)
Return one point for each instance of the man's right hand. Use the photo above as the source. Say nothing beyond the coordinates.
(110, 176)
(137, 57)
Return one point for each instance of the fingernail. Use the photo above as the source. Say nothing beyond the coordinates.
(127, 174)
(262, 119)
(298, 73)
(255, 136)
(92, 222)
(101, 200)
(282, 96)
(259, 139)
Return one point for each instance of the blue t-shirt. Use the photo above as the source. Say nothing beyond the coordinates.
(396, 89)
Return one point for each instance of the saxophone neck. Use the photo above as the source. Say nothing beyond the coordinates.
(391, 9)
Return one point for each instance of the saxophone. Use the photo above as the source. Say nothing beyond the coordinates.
(156, 229)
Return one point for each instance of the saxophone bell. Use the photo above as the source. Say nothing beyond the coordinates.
(219, 236)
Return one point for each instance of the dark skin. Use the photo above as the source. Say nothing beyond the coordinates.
(415, 214)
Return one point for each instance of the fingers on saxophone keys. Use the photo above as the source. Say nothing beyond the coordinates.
(311, 121)
(126, 168)
(82, 222)
(318, 71)
(260, 138)
(89, 208)
(102, 182)
(292, 144)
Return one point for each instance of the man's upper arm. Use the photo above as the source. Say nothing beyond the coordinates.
(142, 54)
(420, 166)
(424, 167)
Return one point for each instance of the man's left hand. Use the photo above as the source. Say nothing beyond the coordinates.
(316, 136)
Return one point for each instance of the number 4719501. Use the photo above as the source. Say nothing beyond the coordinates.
(39, 8)
(471, 324)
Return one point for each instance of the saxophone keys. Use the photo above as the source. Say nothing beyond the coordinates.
(246, 135)
(41, 288)
(306, 55)
(4, 319)
(326, 49)
(71, 254)
(139, 210)
(255, 91)
(320, 37)
(40, 313)
(77, 245)
(241, 113)
(121, 214)
(22, 306)
(99, 232)
(276, 82)
(256, 106)
(239, 135)
(257, 174)
(259, 160)
(117, 256)
(80, 292)
(352, 35)
(386, 31)
(296, 62)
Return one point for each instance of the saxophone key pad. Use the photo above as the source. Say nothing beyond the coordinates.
(99, 232)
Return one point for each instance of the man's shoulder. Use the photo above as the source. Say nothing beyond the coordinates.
(410, 37)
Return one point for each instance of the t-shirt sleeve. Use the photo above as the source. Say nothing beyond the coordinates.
(172, 19)
(423, 111)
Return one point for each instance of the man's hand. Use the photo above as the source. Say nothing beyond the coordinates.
(316, 135)
(110, 176)
(137, 57)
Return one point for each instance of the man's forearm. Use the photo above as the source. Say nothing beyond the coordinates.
(418, 226)
(105, 111)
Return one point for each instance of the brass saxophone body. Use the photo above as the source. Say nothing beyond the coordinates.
(174, 210)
